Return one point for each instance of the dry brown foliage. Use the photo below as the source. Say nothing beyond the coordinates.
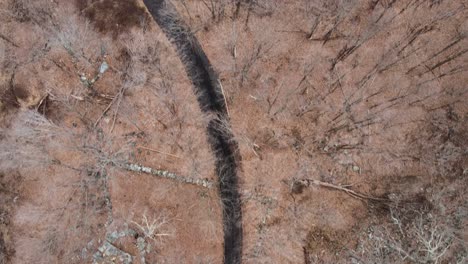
(114, 17)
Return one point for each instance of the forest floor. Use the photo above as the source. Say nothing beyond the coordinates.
(350, 116)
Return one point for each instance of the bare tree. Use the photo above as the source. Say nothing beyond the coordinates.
(216, 8)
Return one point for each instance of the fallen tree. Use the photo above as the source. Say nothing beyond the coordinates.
(167, 175)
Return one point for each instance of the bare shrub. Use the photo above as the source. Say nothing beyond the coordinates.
(31, 126)
(418, 236)
(33, 140)
(142, 56)
(217, 8)
(432, 240)
(104, 151)
(154, 229)
(25, 144)
(247, 50)
(259, 50)
(31, 11)
(259, 8)
(77, 37)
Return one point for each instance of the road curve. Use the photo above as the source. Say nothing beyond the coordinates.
(211, 101)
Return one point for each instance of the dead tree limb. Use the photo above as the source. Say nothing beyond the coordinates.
(224, 96)
(346, 189)
(9, 41)
(168, 175)
(158, 151)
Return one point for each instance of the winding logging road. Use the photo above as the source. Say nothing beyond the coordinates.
(211, 101)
